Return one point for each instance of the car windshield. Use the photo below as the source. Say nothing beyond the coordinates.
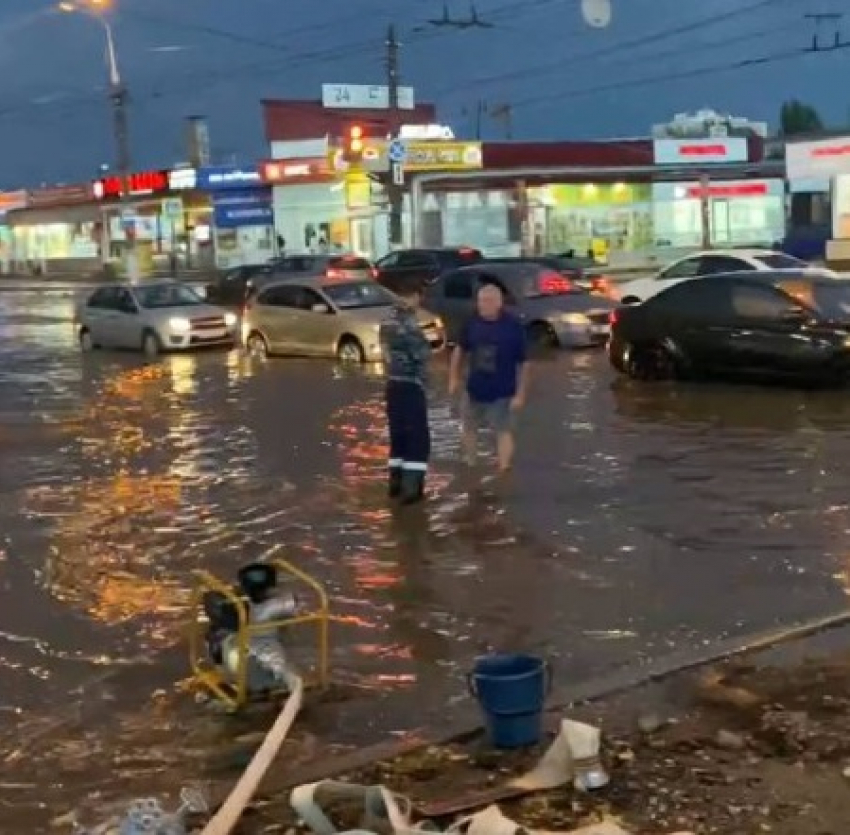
(833, 299)
(359, 294)
(167, 295)
(780, 261)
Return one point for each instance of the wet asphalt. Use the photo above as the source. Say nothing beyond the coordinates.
(640, 520)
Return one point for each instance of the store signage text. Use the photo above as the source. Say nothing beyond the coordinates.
(226, 177)
(754, 189)
(59, 196)
(10, 200)
(443, 156)
(426, 132)
(308, 170)
(244, 209)
(823, 159)
(182, 179)
(364, 97)
(141, 182)
(699, 151)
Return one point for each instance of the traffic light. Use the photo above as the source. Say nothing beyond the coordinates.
(354, 144)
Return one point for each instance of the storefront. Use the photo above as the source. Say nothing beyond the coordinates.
(741, 213)
(310, 206)
(243, 220)
(167, 218)
(811, 168)
(9, 202)
(60, 229)
(597, 218)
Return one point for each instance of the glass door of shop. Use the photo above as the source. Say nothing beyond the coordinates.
(721, 231)
(362, 240)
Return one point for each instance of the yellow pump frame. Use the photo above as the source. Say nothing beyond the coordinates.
(207, 677)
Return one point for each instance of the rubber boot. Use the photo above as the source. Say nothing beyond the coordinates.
(394, 484)
(412, 487)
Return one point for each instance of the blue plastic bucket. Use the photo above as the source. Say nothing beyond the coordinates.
(512, 691)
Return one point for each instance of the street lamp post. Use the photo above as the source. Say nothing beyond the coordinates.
(118, 99)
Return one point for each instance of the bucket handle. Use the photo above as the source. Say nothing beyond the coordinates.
(547, 686)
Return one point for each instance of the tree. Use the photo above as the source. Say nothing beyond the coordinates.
(796, 118)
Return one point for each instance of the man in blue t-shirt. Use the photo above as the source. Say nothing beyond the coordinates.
(493, 349)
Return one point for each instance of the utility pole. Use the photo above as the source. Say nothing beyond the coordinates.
(394, 185)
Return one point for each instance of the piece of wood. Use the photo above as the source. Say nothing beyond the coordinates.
(473, 800)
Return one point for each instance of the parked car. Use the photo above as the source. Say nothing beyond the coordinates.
(340, 265)
(153, 317)
(324, 317)
(581, 271)
(773, 323)
(231, 286)
(556, 312)
(702, 264)
(422, 266)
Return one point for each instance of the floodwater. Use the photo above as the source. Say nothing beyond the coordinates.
(640, 520)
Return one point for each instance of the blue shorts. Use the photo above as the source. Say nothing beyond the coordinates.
(493, 414)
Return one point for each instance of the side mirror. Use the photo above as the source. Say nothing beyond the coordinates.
(320, 308)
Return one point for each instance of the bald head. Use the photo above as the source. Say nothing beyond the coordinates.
(490, 301)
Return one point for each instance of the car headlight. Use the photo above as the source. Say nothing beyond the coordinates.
(179, 325)
(575, 319)
(230, 320)
(847, 341)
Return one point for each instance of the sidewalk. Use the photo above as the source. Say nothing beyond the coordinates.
(760, 744)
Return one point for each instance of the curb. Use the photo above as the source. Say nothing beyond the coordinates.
(593, 690)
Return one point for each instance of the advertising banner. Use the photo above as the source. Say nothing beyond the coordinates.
(247, 208)
(225, 177)
(700, 151)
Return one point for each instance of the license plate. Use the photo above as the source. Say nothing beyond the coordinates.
(600, 330)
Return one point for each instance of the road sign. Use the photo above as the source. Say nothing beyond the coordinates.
(398, 174)
(397, 151)
(364, 97)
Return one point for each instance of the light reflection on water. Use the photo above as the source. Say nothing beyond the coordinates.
(642, 507)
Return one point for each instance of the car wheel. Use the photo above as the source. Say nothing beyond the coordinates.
(86, 342)
(630, 300)
(151, 346)
(654, 361)
(541, 336)
(350, 350)
(257, 346)
(617, 355)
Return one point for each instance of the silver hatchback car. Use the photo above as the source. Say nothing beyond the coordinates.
(153, 316)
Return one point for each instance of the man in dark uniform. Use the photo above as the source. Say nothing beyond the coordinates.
(406, 355)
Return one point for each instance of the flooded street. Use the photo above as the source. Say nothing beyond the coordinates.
(640, 520)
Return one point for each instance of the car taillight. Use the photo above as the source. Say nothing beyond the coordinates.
(374, 272)
(600, 284)
(333, 273)
(613, 317)
(554, 283)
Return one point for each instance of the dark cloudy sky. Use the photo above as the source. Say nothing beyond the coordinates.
(564, 79)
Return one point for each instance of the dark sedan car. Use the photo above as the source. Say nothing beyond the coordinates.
(420, 267)
(229, 288)
(780, 324)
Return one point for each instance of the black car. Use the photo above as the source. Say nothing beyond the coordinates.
(230, 287)
(783, 324)
(421, 267)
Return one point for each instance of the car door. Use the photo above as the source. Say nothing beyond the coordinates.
(768, 331)
(274, 314)
(97, 314)
(316, 324)
(128, 321)
(454, 300)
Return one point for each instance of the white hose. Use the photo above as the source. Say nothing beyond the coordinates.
(227, 817)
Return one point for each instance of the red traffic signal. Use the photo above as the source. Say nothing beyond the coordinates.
(354, 143)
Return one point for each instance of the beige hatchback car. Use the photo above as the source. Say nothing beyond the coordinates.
(324, 317)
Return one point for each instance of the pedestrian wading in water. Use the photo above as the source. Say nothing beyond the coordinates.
(493, 351)
(406, 355)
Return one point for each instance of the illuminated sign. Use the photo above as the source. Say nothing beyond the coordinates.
(10, 200)
(426, 132)
(227, 177)
(699, 151)
(307, 170)
(754, 189)
(182, 179)
(821, 160)
(59, 196)
(141, 182)
(443, 156)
